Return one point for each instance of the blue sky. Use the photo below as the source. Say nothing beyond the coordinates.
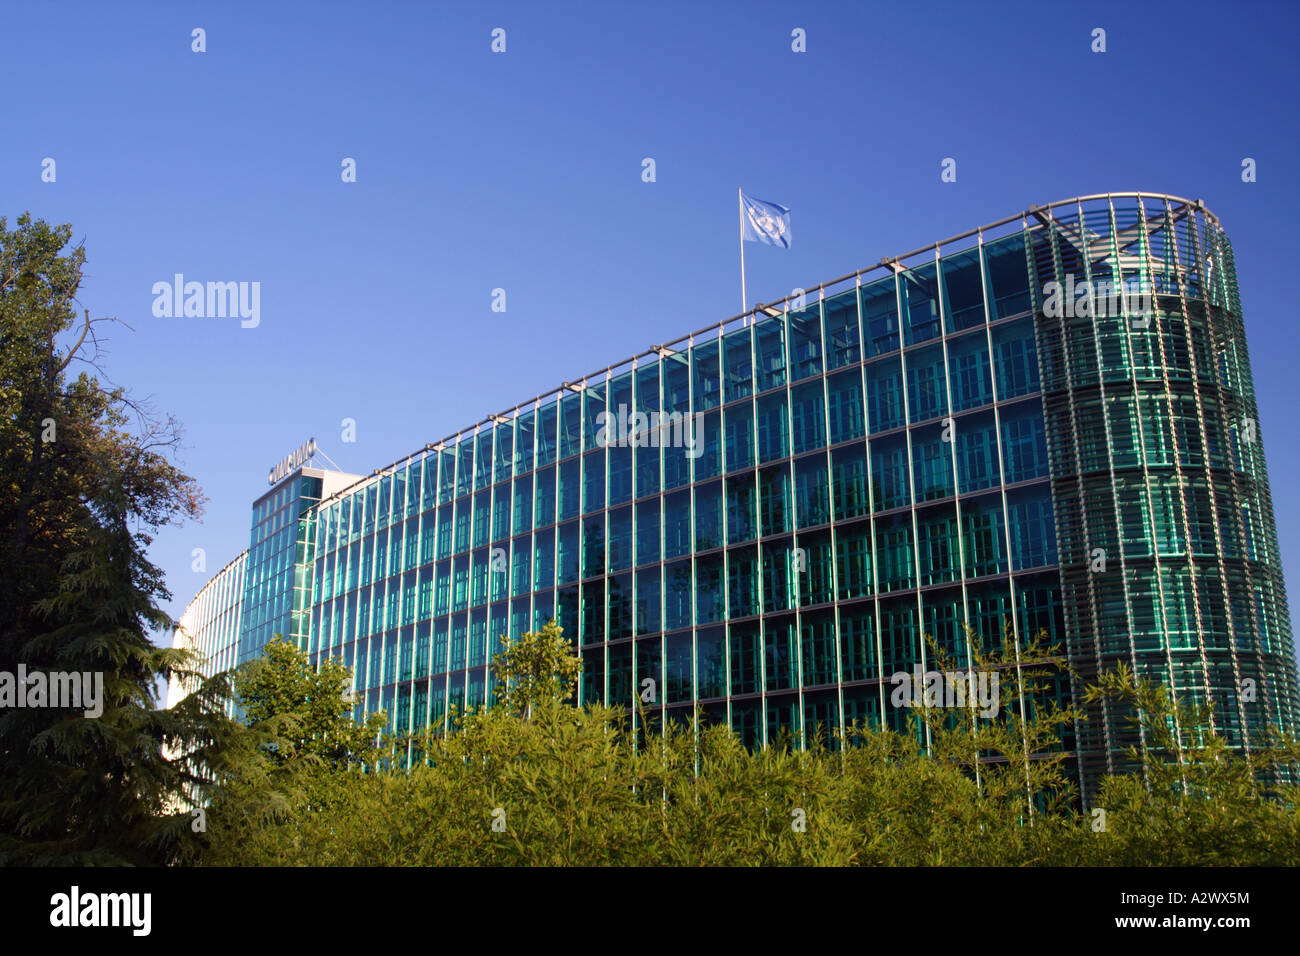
(522, 171)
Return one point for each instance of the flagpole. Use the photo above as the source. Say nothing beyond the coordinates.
(740, 208)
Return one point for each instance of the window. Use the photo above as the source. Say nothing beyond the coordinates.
(1033, 538)
(1017, 362)
(962, 285)
(805, 343)
(742, 582)
(889, 472)
(774, 500)
(894, 554)
(857, 645)
(567, 544)
(677, 383)
(849, 481)
(746, 646)
(620, 539)
(593, 410)
(647, 532)
(841, 330)
(818, 634)
(708, 381)
(569, 490)
(844, 393)
(808, 414)
(773, 428)
(648, 600)
(1025, 447)
(884, 395)
(742, 518)
(812, 498)
(1008, 276)
(927, 392)
(739, 364)
(770, 348)
(708, 516)
(570, 424)
(740, 436)
(940, 560)
(972, 382)
(547, 434)
(677, 524)
(920, 290)
(593, 481)
(880, 317)
(977, 453)
(853, 561)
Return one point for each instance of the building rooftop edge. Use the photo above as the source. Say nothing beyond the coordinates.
(886, 263)
(226, 567)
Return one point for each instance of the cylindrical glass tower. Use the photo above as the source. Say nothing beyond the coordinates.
(1167, 540)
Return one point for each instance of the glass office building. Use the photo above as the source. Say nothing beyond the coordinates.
(212, 623)
(929, 443)
(277, 596)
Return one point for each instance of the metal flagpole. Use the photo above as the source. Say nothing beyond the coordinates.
(740, 207)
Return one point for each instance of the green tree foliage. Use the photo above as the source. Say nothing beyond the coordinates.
(304, 713)
(309, 752)
(1195, 803)
(85, 478)
(537, 666)
(1015, 755)
(541, 782)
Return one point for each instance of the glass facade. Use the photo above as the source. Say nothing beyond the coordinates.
(1169, 552)
(794, 497)
(212, 623)
(278, 586)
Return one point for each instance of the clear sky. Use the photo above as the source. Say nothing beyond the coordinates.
(522, 170)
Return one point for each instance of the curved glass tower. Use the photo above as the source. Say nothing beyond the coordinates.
(1165, 528)
(1047, 422)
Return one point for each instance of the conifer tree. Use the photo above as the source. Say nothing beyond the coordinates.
(86, 477)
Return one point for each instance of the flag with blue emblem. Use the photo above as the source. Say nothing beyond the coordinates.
(765, 222)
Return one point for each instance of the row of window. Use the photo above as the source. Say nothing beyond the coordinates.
(1174, 606)
(1160, 429)
(586, 550)
(1160, 515)
(863, 642)
(753, 437)
(783, 573)
(842, 407)
(773, 500)
(789, 718)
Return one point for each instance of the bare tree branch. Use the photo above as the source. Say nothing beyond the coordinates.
(85, 329)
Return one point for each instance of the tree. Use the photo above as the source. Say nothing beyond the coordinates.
(1014, 753)
(539, 783)
(1190, 799)
(538, 666)
(85, 477)
(305, 714)
(309, 752)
